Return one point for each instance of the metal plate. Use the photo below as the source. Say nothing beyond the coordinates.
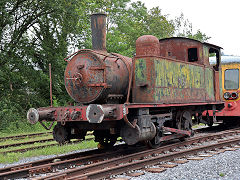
(84, 77)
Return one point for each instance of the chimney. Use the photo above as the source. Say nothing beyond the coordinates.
(98, 25)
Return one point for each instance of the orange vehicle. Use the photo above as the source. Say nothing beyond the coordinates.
(230, 69)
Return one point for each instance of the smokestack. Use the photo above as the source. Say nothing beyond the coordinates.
(98, 25)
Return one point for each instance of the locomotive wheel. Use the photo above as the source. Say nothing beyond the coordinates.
(209, 120)
(60, 134)
(155, 142)
(210, 123)
(184, 122)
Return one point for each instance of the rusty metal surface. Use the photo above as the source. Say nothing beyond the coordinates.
(79, 113)
(25, 167)
(91, 76)
(147, 45)
(209, 84)
(98, 26)
(174, 70)
(110, 111)
(218, 93)
(177, 48)
(178, 131)
(159, 80)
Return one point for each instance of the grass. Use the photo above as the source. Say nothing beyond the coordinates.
(54, 150)
(21, 128)
(5, 134)
(24, 127)
(32, 145)
(12, 141)
(198, 125)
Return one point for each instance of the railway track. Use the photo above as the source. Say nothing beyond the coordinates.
(99, 164)
(5, 146)
(36, 147)
(24, 136)
(26, 143)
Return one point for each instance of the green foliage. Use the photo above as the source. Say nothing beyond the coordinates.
(183, 28)
(33, 34)
(135, 22)
(54, 150)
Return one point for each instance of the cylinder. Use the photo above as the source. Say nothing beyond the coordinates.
(132, 136)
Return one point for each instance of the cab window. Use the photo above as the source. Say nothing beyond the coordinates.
(231, 80)
(192, 55)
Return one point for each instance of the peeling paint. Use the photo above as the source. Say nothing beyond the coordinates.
(174, 81)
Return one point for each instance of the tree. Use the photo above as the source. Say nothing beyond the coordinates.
(128, 24)
(183, 28)
(32, 35)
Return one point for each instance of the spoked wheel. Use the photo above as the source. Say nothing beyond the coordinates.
(60, 134)
(184, 122)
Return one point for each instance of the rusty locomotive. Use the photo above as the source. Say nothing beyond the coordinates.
(157, 95)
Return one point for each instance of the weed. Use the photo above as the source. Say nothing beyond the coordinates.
(222, 174)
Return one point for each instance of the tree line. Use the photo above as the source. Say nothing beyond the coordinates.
(36, 33)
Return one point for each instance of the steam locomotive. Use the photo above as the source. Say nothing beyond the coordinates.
(157, 95)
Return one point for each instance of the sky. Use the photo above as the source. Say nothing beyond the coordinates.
(218, 19)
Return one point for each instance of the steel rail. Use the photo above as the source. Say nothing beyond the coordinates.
(26, 143)
(112, 167)
(24, 169)
(32, 142)
(24, 136)
(82, 172)
(41, 146)
(29, 135)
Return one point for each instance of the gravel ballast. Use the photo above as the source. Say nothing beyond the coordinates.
(224, 166)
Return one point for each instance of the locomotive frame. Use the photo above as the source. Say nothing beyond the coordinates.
(150, 98)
